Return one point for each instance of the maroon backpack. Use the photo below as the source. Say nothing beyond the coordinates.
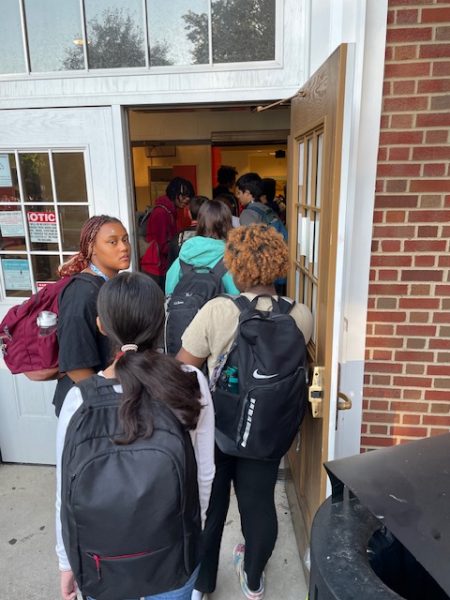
(25, 349)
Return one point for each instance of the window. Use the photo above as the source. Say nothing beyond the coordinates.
(128, 34)
(43, 204)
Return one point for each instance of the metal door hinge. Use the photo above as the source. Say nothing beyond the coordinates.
(315, 395)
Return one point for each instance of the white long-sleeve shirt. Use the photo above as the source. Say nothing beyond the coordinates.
(202, 440)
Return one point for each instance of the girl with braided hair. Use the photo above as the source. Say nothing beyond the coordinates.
(83, 350)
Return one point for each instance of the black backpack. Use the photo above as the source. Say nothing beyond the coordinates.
(196, 286)
(130, 513)
(260, 396)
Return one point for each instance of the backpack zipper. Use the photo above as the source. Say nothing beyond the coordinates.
(97, 559)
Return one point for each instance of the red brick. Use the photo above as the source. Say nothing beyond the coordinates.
(405, 52)
(393, 3)
(404, 87)
(422, 331)
(379, 429)
(411, 419)
(420, 289)
(424, 245)
(444, 261)
(384, 417)
(419, 432)
(395, 138)
(439, 370)
(391, 245)
(396, 185)
(378, 405)
(434, 431)
(441, 317)
(386, 316)
(419, 317)
(436, 420)
(379, 289)
(388, 53)
(423, 303)
(424, 261)
(408, 356)
(421, 275)
(441, 69)
(437, 216)
(430, 185)
(399, 153)
(442, 33)
(412, 407)
(378, 379)
(411, 394)
(390, 231)
(382, 154)
(395, 216)
(436, 137)
(406, 16)
(387, 275)
(440, 345)
(433, 86)
(409, 34)
(384, 342)
(398, 170)
(399, 260)
(423, 382)
(434, 170)
(434, 51)
(393, 201)
(382, 367)
(382, 355)
(435, 15)
(383, 329)
(441, 119)
(442, 290)
(405, 103)
(377, 442)
(385, 122)
(437, 395)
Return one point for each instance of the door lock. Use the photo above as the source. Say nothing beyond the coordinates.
(315, 393)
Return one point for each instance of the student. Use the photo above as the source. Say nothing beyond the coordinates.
(249, 188)
(131, 314)
(104, 251)
(207, 247)
(194, 207)
(255, 256)
(226, 178)
(162, 226)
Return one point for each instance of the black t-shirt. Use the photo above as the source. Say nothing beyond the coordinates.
(81, 345)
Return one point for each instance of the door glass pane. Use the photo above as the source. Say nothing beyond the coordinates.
(16, 275)
(36, 180)
(54, 34)
(115, 33)
(301, 159)
(12, 58)
(12, 235)
(70, 180)
(309, 160)
(71, 219)
(243, 30)
(314, 312)
(9, 186)
(45, 269)
(316, 245)
(319, 170)
(178, 36)
(42, 227)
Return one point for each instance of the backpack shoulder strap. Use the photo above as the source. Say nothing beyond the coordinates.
(95, 281)
(94, 388)
(284, 305)
(253, 206)
(185, 267)
(219, 269)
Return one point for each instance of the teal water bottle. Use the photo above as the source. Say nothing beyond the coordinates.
(233, 380)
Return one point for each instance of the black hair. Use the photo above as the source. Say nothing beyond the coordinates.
(214, 220)
(177, 186)
(226, 175)
(194, 205)
(269, 188)
(130, 307)
(250, 182)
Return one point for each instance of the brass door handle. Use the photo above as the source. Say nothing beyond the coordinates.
(344, 402)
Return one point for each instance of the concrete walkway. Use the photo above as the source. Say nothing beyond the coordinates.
(28, 568)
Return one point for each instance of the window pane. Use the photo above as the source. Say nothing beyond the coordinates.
(36, 180)
(12, 235)
(243, 30)
(178, 36)
(42, 227)
(45, 269)
(16, 275)
(12, 59)
(319, 170)
(70, 180)
(115, 33)
(71, 219)
(54, 34)
(9, 186)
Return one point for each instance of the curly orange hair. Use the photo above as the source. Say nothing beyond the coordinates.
(256, 254)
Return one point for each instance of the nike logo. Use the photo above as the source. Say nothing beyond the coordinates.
(257, 375)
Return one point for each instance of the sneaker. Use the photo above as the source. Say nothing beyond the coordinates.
(238, 561)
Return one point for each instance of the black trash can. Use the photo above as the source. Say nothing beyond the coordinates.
(385, 531)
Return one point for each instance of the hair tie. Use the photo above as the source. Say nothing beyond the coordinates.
(127, 347)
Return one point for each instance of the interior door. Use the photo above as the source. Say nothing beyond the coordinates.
(314, 178)
(57, 167)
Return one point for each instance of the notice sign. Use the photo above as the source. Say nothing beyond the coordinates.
(43, 227)
(5, 171)
(16, 273)
(11, 224)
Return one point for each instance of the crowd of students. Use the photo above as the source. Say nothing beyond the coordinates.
(110, 326)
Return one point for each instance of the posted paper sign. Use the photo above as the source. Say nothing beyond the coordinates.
(43, 227)
(16, 273)
(5, 171)
(11, 224)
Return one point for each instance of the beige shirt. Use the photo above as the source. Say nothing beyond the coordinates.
(214, 327)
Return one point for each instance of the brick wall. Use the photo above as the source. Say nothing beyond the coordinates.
(407, 373)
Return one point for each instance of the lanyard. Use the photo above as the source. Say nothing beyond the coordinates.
(97, 271)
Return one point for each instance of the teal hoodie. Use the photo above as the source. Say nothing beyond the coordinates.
(201, 252)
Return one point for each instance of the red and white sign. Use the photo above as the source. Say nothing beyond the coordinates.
(43, 227)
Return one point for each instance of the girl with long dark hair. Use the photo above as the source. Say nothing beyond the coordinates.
(104, 251)
(131, 315)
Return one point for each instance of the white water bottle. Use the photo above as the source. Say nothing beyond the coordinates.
(46, 321)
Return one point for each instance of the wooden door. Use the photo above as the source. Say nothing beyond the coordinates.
(314, 178)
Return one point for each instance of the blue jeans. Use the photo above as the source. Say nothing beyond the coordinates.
(183, 593)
